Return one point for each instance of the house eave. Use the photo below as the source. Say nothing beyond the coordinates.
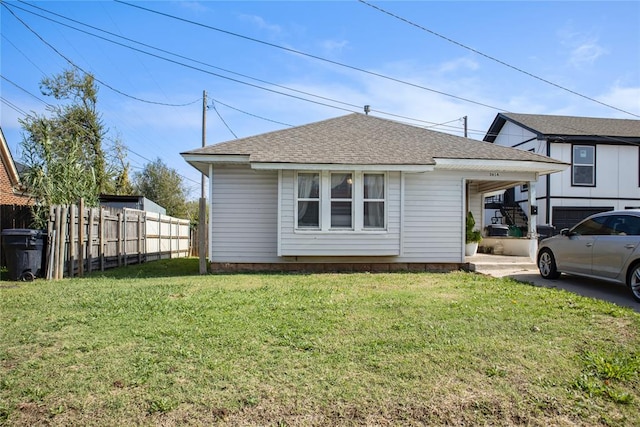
(341, 167)
(202, 161)
(541, 168)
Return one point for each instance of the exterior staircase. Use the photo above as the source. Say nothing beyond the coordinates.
(514, 216)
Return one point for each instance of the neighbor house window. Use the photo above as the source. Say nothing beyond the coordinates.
(308, 200)
(584, 165)
(373, 200)
(341, 200)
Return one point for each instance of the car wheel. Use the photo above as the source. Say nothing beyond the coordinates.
(633, 280)
(547, 265)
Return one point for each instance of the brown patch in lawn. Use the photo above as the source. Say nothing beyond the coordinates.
(32, 413)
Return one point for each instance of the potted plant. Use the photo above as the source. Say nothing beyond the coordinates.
(473, 237)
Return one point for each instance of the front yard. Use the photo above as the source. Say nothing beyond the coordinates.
(159, 344)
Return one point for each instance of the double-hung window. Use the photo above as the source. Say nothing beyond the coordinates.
(373, 199)
(309, 200)
(342, 200)
(583, 171)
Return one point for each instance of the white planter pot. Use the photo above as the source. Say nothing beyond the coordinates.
(470, 249)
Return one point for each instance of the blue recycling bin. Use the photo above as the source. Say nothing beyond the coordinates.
(23, 250)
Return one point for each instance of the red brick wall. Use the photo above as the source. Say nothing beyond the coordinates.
(7, 196)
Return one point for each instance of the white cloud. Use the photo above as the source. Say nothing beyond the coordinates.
(458, 64)
(586, 54)
(583, 49)
(194, 6)
(261, 24)
(333, 46)
(625, 98)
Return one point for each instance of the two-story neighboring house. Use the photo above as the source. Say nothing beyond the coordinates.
(605, 164)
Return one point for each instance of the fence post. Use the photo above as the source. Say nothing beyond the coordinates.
(62, 240)
(101, 242)
(125, 235)
(73, 249)
(140, 248)
(90, 213)
(119, 243)
(81, 237)
(50, 242)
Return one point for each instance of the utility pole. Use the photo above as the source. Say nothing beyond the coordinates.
(464, 119)
(202, 213)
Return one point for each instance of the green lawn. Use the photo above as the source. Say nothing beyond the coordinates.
(159, 344)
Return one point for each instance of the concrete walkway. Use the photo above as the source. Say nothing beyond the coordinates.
(501, 265)
(524, 270)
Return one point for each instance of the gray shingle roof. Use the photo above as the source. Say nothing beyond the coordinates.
(577, 126)
(363, 140)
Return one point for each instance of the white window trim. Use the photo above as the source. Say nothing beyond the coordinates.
(357, 204)
(297, 199)
(383, 200)
(574, 163)
(352, 200)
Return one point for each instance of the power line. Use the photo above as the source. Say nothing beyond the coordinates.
(25, 91)
(251, 114)
(213, 105)
(263, 81)
(357, 107)
(172, 54)
(362, 70)
(23, 54)
(175, 62)
(86, 72)
(13, 106)
(520, 70)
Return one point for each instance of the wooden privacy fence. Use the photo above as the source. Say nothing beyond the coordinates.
(82, 240)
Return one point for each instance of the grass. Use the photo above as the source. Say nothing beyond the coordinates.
(159, 344)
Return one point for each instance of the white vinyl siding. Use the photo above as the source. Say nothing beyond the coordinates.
(245, 221)
(245, 215)
(432, 221)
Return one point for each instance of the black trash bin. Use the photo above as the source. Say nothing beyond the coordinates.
(23, 250)
(497, 230)
(545, 231)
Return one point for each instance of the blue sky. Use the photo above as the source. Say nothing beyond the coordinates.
(439, 64)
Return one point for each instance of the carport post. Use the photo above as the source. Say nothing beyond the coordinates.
(532, 234)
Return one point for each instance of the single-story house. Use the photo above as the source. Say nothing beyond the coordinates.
(605, 164)
(355, 192)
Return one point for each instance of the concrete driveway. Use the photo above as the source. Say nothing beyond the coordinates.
(523, 269)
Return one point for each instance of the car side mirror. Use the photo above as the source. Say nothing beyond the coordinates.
(565, 232)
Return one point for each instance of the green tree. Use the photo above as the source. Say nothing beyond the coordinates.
(122, 184)
(54, 177)
(63, 150)
(164, 186)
